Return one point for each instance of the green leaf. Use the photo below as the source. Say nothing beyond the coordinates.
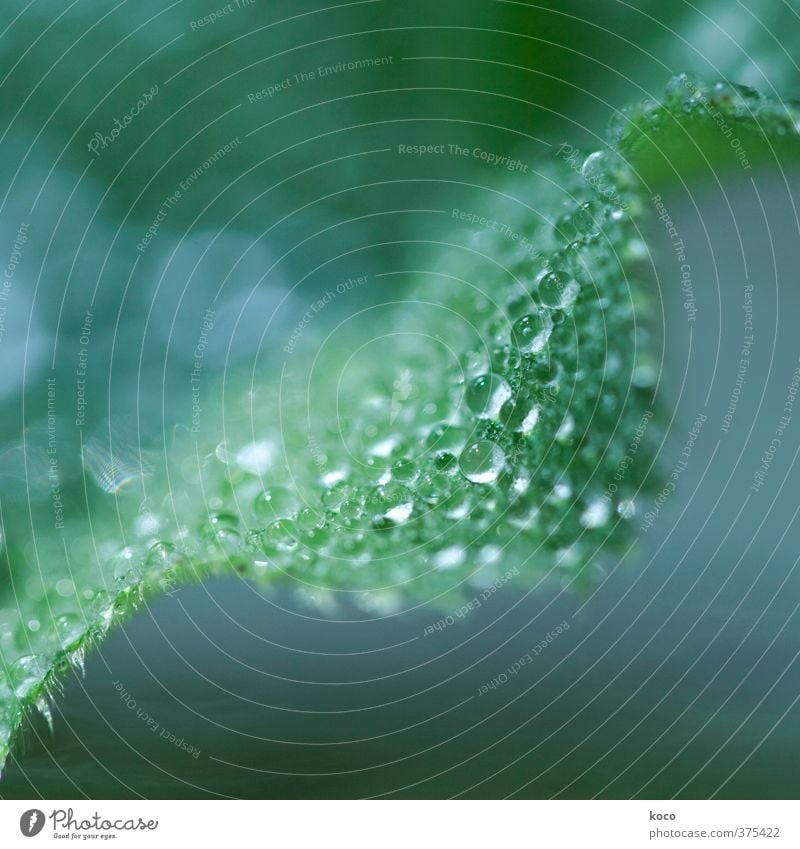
(497, 421)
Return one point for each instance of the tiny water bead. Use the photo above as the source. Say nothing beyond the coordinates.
(309, 519)
(597, 171)
(583, 222)
(446, 463)
(165, 555)
(433, 487)
(486, 394)
(222, 531)
(482, 462)
(68, 628)
(404, 471)
(351, 511)
(216, 521)
(280, 535)
(127, 565)
(531, 332)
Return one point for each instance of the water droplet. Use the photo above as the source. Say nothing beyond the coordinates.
(586, 219)
(26, 673)
(531, 332)
(582, 222)
(164, 554)
(404, 471)
(274, 503)
(69, 627)
(446, 463)
(228, 539)
(308, 519)
(482, 462)
(127, 568)
(223, 520)
(557, 290)
(627, 508)
(433, 487)
(318, 538)
(332, 498)
(281, 535)
(486, 395)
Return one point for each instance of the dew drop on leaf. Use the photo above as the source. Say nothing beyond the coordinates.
(482, 462)
(557, 290)
(26, 673)
(404, 471)
(486, 395)
(69, 628)
(531, 332)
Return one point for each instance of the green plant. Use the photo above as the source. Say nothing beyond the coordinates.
(500, 432)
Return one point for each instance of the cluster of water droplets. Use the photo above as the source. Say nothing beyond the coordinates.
(503, 449)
